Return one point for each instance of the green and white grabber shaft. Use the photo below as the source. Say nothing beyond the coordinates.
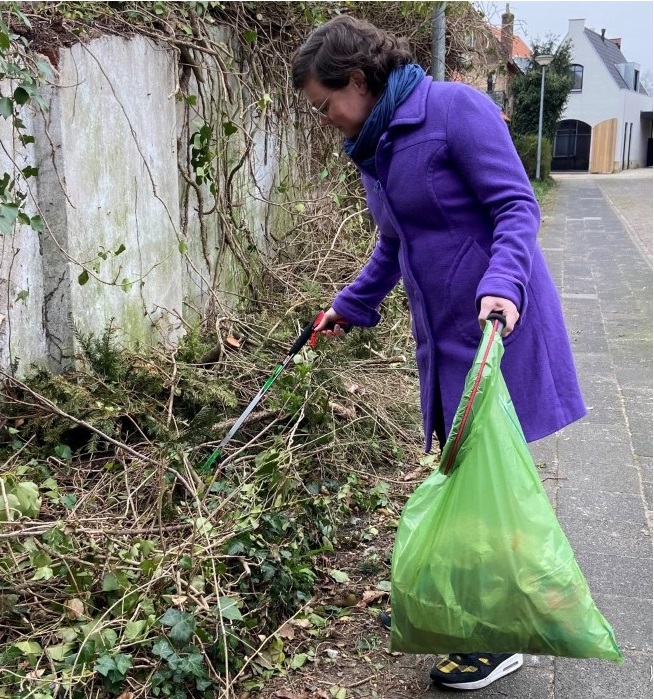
(297, 346)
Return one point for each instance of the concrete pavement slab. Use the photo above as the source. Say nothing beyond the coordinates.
(593, 679)
(597, 239)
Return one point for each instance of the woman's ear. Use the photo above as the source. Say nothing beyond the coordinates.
(358, 79)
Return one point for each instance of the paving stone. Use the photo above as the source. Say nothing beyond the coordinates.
(630, 618)
(598, 477)
(606, 537)
(625, 507)
(616, 574)
(600, 679)
(596, 443)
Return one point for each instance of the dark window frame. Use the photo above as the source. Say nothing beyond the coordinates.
(577, 71)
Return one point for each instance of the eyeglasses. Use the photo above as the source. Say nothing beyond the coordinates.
(320, 111)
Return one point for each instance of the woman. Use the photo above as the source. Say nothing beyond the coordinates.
(458, 223)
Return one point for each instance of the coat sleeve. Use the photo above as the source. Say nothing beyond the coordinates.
(358, 302)
(481, 147)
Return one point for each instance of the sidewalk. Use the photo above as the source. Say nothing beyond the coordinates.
(597, 238)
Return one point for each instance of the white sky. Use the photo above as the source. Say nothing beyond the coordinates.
(629, 20)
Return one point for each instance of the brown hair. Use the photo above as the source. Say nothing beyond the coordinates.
(345, 44)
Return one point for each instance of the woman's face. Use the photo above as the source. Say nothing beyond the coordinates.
(346, 108)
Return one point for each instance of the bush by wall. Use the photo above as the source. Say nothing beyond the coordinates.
(527, 147)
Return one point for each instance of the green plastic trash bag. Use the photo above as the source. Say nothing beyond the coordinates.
(480, 561)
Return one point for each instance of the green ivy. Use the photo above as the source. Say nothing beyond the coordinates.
(25, 76)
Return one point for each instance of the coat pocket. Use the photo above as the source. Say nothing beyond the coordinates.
(469, 267)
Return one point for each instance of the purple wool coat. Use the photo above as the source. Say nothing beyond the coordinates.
(457, 221)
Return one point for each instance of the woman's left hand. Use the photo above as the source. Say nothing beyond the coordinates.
(497, 304)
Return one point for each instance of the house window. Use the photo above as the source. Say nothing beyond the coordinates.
(565, 141)
(577, 77)
(636, 80)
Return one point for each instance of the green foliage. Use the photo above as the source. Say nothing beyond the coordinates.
(203, 154)
(527, 88)
(542, 189)
(23, 75)
(527, 147)
(174, 608)
(18, 498)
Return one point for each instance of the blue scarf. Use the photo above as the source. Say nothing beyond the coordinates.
(401, 83)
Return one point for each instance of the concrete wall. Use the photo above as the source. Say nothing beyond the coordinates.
(107, 158)
(120, 205)
(22, 327)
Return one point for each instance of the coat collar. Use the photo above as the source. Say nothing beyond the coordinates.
(414, 109)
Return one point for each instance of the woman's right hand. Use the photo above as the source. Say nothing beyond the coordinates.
(332, 324)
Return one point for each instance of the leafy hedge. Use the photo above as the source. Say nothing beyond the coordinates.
(527, 147)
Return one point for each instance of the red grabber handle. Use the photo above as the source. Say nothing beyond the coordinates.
(339, 321)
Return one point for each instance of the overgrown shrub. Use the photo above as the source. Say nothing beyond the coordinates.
(149, 570)
(527, 147)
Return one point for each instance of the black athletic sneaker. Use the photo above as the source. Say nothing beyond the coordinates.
(474, 670)
(385, 619)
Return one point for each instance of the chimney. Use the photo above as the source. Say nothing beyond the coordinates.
(576, 26)
(507, 34)
(617, 42)
(603, 33)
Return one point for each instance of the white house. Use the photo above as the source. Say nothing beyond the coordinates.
(607, 123)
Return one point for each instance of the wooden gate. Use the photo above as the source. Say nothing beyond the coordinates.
(602, 150)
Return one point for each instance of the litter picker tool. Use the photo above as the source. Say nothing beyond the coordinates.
(307, 335)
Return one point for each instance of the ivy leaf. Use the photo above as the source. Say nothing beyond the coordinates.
(8, 215)
(171, 617)
(108, 638)
(59, 651)
(229, 128)
(264, 101)
(250, 35)
(115, 580)
(63, 451)
(6, 106)
(105, 664)
(182, 625)
(123, 663)
(193, 664)
(22, 295)
(183, 631)
(298, 661)
(68, 501)
(339, 576)
(163, 649)
(119, 249)
(134, 630)
(229, 609)
(43, 573)
(83, 278)
(28, 647)
(36, 222)
(182, 247)
(21, 95)
(29, 500)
